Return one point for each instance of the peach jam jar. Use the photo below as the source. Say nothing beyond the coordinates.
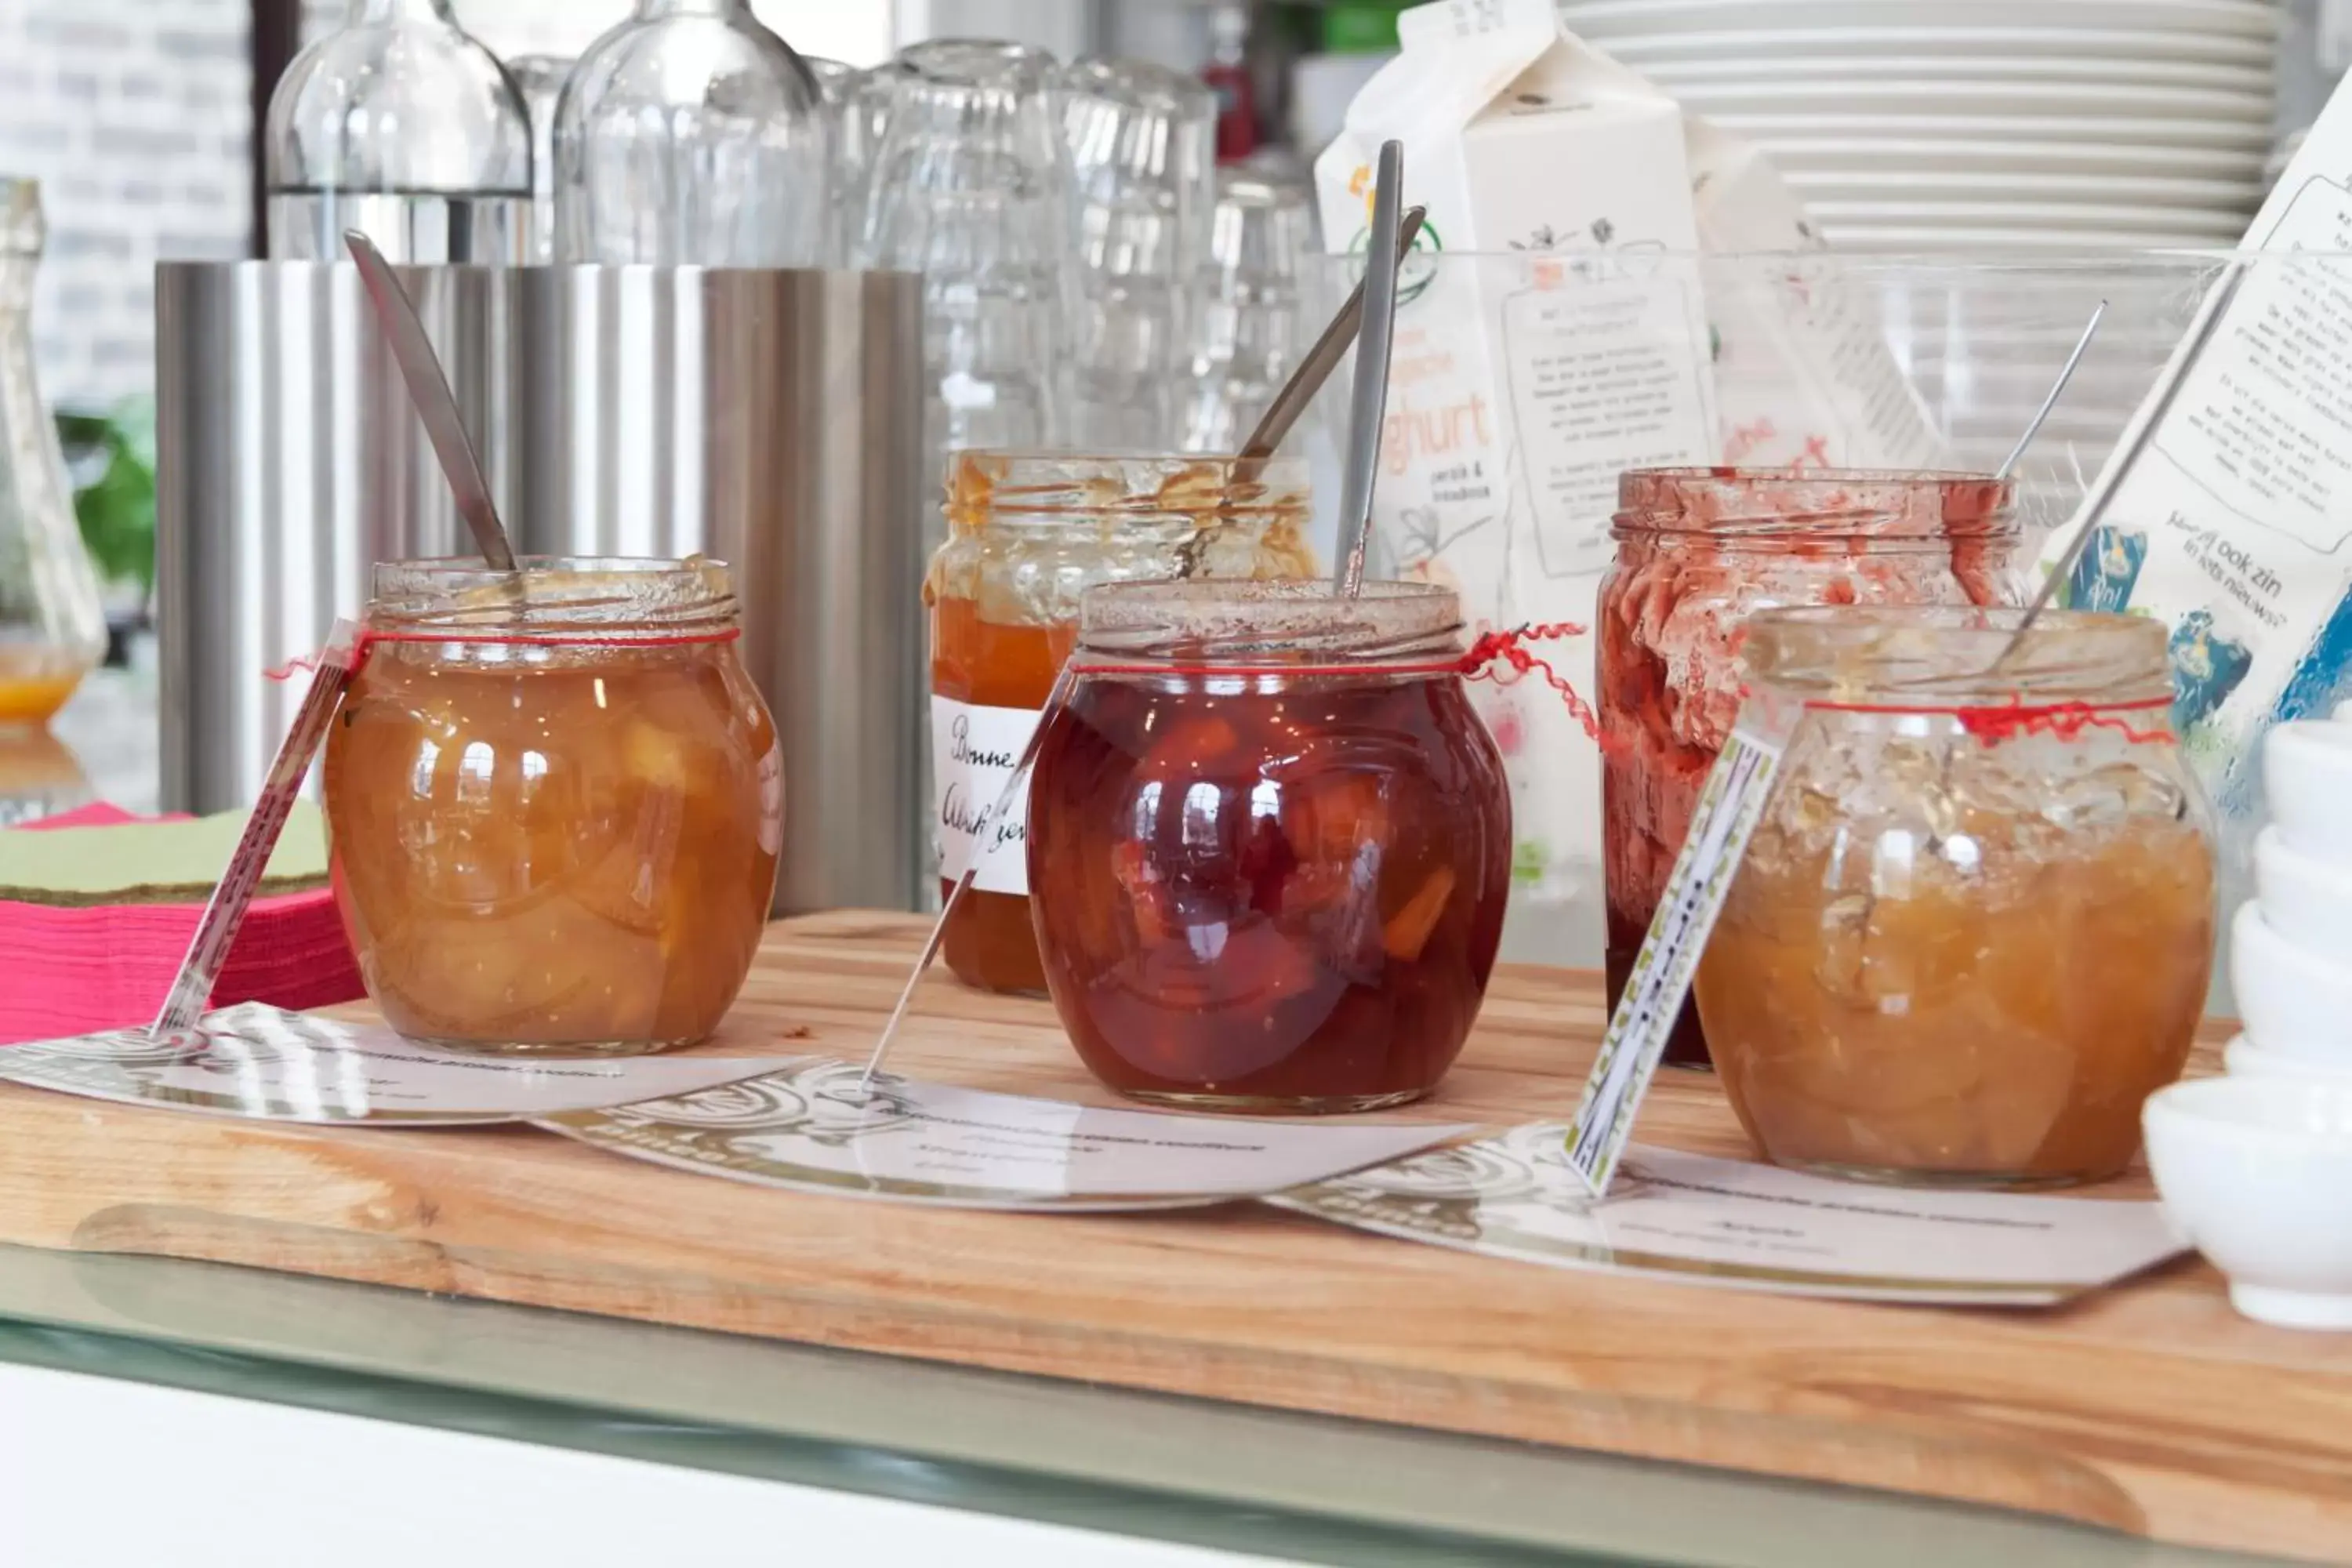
(1269, 845)
(1028, 531)
(553, 819)
(1971, 932)
(1698, 551)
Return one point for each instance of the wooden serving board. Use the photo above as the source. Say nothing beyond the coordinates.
(2151, 1409)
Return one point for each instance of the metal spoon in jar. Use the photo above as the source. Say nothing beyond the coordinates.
(1313, 368)
(1385, 259)
(436, 406)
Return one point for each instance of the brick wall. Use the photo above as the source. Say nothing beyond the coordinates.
(133, 114)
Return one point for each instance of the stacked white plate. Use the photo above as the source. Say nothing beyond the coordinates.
(1979, 125)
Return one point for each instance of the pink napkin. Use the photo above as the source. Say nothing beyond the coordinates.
(70, 971)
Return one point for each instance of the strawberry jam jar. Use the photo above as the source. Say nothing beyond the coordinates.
(1699, 550)
(1270, 844)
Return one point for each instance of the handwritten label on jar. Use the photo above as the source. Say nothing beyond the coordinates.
(973, 752)
(1728, 809)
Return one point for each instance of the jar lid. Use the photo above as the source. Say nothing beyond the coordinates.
(1219, 620)
(1956, 654)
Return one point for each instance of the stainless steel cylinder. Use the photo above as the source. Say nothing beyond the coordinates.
(772, 420)
(766, 418)
(288, 461)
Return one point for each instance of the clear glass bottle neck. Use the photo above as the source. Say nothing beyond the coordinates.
(656, 10)
(376, 13)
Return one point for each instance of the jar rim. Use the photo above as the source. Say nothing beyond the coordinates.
(1861, 505)
(1953, 654)
(1223, 621)
(562, 594)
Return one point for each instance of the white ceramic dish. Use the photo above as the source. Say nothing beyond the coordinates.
(2291, 999)
(2257, 1172)
(2230, 18)
(2027, 65)
(2307, 784)
(1795, 151)
(2127, 45)
(2192, 227)
(1926, 95)
(2187, 136)
(2306, 899)
(2238, 198)
(1893, 239)
(2246, 1059)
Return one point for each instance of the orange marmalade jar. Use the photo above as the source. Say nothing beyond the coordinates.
(1971, 932)
(1028, 532)
(554, 822)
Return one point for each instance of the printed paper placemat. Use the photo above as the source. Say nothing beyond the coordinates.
(1747, 1226)
(810, 1127)
(265, 1064)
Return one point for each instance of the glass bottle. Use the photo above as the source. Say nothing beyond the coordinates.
(540, 78)
(1971, 934)
(1698, 551)
(52, 625)
(691, 135)
(1028, 532)
(400, 125)
(1270, 844)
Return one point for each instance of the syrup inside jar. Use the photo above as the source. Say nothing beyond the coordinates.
(554, 820)
(1269, 845)
(1971, 932)
(1028, 533)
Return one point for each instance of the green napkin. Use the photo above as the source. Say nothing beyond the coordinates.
(155, 862)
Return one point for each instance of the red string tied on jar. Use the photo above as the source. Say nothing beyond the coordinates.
(1507, 649)
(1992, 723)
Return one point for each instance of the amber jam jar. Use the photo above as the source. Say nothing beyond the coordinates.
(1970, 935)
(1028, 532)
(1699, 550)
(1269, 845)
(554, 820)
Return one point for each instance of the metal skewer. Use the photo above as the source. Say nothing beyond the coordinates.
(2103, 489)
(1370, 400)
(2065, 375)
(1012, 786)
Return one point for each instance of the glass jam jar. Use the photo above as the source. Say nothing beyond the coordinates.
(1698, 551)
(1269, 845)
(1971, 932)
(1028, 531)
(553, 820)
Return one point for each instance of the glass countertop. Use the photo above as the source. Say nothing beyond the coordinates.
(1302, 1487)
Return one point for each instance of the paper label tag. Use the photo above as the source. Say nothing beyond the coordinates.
(974, 751)
(224, 910)
(1735, 1225)
(810, 1127)
(1728, 809)
(264, 1064)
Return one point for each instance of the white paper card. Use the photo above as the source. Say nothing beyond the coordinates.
(265, 1064)
(1746, 1226)
(974, 751)
(810, 1128)
(1729, 806)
